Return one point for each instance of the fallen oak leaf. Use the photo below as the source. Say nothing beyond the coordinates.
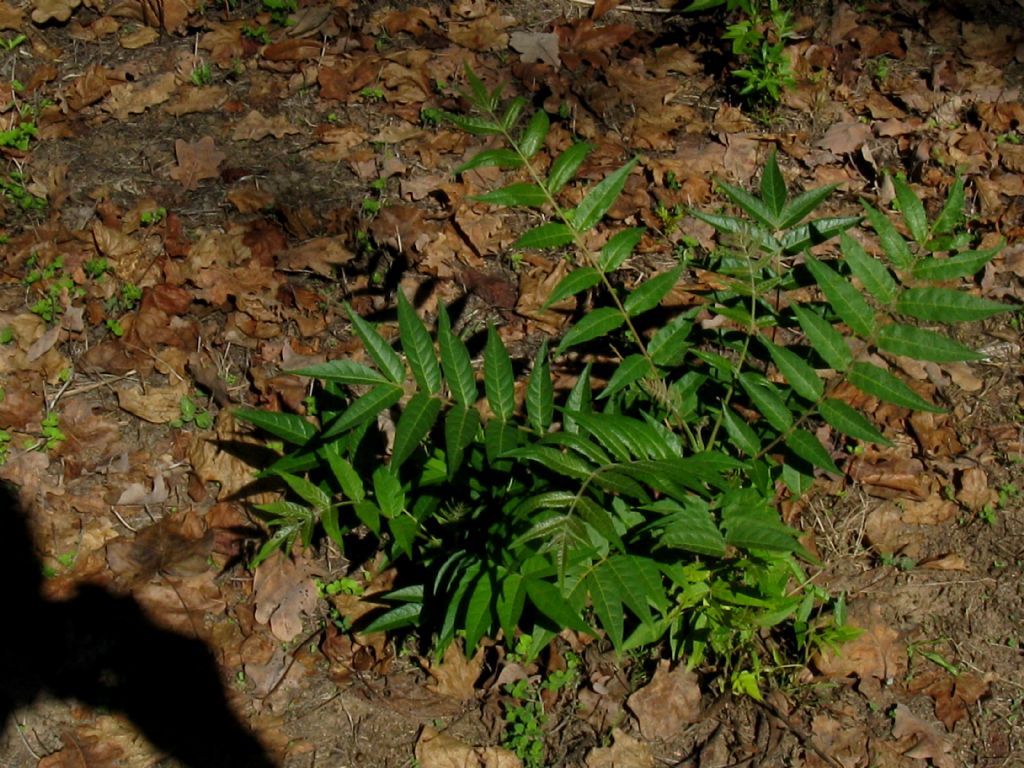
(927, 744)
(197, 160)
(254, 126)
(53, 10)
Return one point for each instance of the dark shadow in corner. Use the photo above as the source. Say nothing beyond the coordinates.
(101, 649)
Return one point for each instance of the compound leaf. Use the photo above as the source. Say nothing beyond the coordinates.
(290, 427)
(618, 248)
(912, 209)
(809, 448)
(872, 273)
(946, 305)
(850, 422)
(522, 194)
(577, 281)
(388, 361)
(825, 339)
(565, 166)
(650, 293)
(603, 195)
(553, 234)
(923, 344)
(341, 372)
(540, 392)
(844, 298)
(598, 323)
(458, 367)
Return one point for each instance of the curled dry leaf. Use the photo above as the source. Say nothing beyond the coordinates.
(157, 405)
(925, 743)
(254, 126)
(456, 675)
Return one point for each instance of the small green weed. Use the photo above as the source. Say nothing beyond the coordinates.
(525, 718)
(19, 137)
(280, 10)
(10, 43)
(258, 33)
(201, 74)
(13, 188)
(372, 93)
(190, 413)
(155, 216)
(758, 36)
(50, 429)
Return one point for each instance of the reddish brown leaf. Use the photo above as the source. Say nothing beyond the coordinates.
(197, 160)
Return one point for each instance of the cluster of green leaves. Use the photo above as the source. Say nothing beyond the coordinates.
(643, 508)
(757, 34)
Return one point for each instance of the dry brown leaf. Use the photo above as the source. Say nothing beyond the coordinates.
(197, 160)
(320, 255)
(254, 126)
(53, 10)
(140, 37)
(536, 47)
(10, 17)
(974, 492)
(139, 494)
(456, 675)
(190, 100)
(157, 405)
(844, 138)
(625, 752)
(878, 653)
(439, 750)
(925, 743)
(134, 98)
(284, 592)
(668, 702)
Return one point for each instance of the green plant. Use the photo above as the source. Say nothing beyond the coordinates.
(643, 509)
(372, 93)
(5, 443)
(96, 268)
(280, 11)
(19, 136)
(525, 717)
(190, 413)
(201, 74)
(758, 36)
(13, 188)
(50, 429)
(10, 43)
(151, 217)
(258, 33)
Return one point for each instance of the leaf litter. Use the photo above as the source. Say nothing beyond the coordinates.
(238, 223)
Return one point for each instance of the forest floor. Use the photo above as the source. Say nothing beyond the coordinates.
(189, 195)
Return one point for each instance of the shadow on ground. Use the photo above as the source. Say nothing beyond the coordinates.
(100, 649)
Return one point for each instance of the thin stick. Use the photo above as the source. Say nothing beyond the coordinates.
(632, 8)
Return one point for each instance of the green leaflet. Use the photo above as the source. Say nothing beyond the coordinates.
(521, 194)
(893, 244)
(499, 381)
(767, 400)
(417, 419)
(809, 448)
(540, 393)
(290, 427)
(577, 281)
(364, 409)
(740, 433)
(850, 422)
(629, 371)
(388, 361)
(932, 269)
(492, 158)
(461, 426)
(554, 234)
(844, 298)
(455, 360)
(912, 209)
(875, 381)
(872, 273)
(418, 347)
(341, 372)
(650, 293)
(565, 166)
(923, 344)
(598, 323)
(619, 248)
(798, 374)
(946, 305)
(825, 339)
(536, 132)
(597, 202)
